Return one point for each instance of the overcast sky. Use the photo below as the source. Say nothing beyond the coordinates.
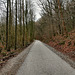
(37, 9)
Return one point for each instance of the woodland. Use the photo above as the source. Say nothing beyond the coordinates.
(18, 28)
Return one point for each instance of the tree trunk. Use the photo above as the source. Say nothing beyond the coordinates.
(23, 24)
(61, 14)
(7, 25)
(10, 25)
(15, 24)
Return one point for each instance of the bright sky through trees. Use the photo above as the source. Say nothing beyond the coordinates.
(37, 9)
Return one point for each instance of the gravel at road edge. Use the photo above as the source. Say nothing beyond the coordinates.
(13, 64)
(64, 57)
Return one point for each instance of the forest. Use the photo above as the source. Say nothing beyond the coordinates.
(56, 27)
(18, 28)
(17, 21)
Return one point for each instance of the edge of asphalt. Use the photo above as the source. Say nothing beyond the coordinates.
(14, 64)
(63, 56)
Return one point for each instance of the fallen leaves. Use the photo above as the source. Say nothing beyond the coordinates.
(66, 45)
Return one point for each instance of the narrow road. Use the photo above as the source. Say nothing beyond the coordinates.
(42, 61)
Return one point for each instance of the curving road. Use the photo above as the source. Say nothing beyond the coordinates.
(42, 61)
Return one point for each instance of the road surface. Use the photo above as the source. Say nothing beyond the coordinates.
(42, 61)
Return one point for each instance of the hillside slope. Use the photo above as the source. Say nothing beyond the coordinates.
(64, 44)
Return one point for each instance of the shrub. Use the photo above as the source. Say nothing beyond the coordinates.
(62, 43)
(12, 52)
(69, 43)
(0, 49)
(3, 53)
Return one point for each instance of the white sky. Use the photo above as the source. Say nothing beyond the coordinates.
(37, 10)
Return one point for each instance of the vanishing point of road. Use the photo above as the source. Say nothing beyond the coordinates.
(42, 61)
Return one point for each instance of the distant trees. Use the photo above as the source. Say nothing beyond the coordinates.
(57, 18)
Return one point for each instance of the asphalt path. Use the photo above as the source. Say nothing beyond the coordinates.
(42, 61)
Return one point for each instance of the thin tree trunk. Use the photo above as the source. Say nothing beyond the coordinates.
(7, 25)
(20, 21)
(26, 13)
(16, 25)
(63, 23)
(23, 25)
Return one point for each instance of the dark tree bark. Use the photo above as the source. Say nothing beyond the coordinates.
(61, 14)
(15, 24)
(20, 19)
(10, 23)
(7, 24)
(26, 13)
(23, 24)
